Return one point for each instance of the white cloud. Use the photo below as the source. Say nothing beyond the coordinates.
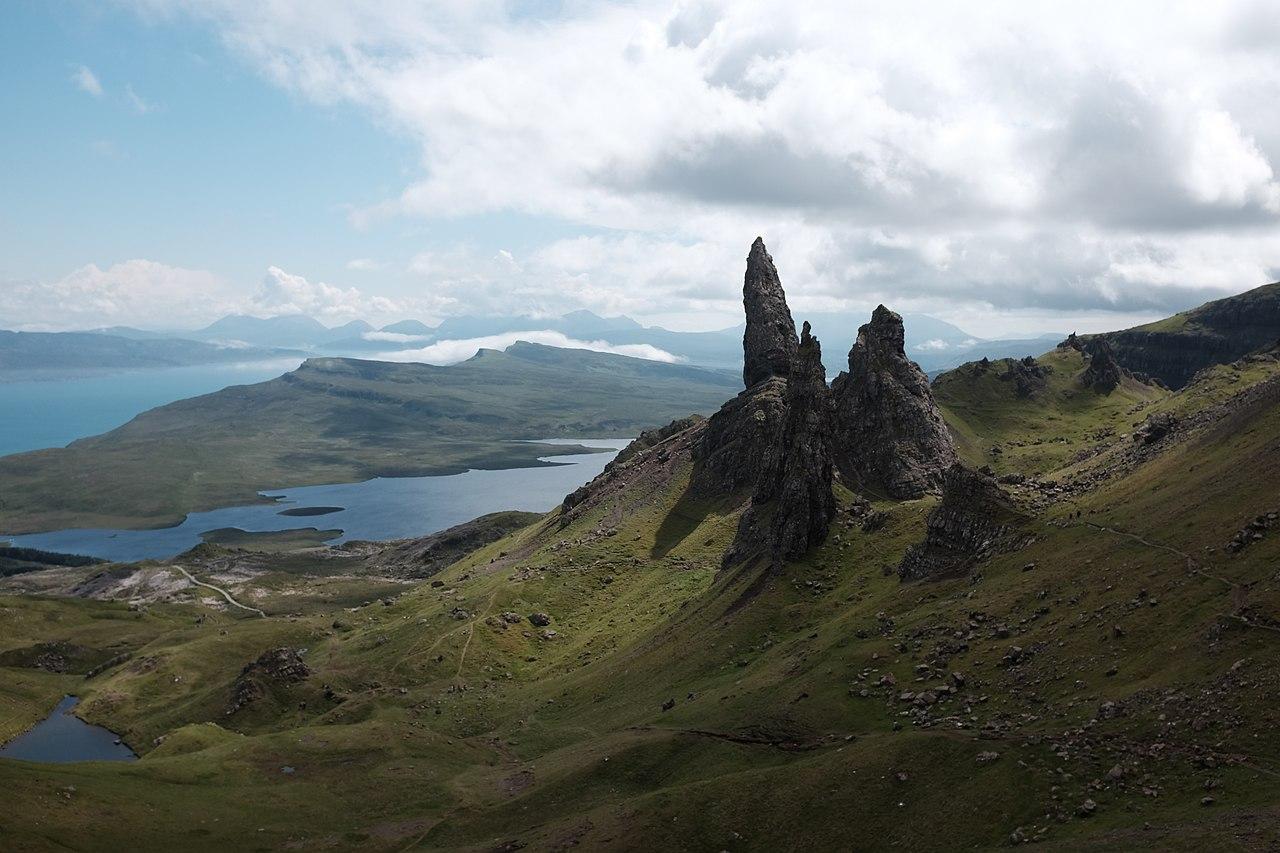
(136, 102)
(136, 292)
(932, 345)
(365, 265)
(394, 337)
(935, 155)
(285, 293)
(86, 81)
(451, 352)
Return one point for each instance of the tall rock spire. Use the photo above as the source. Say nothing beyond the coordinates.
(890, 436)
(793, 504)
(769, 343)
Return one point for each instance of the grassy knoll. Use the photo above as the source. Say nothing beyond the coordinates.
(1042, 431)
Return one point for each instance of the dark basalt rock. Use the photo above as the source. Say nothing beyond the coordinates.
(651, 438)
(793, 504)
(889, 433)
(1155, 427)
(273, 667)
(1028, 376)
(974, 520)
(1103, 374)
(740, 440)
(769, 342)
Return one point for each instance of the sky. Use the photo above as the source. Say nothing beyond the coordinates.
(1015, 168)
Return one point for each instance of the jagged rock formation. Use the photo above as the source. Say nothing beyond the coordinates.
(769, 342)
(1103, 374)
(740, 440)
(793, 503)
(273, 667)
(974, 520)
(889, 433)
(1217, 332)
(1028, 376)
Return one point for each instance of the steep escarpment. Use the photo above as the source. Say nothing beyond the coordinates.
(1218, 332)
(890, 435)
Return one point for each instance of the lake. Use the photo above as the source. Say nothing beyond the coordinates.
(62, 737)
(383, 508)
(56, 412)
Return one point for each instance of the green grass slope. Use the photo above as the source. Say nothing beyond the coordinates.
(1109, 687)
(1041, 432)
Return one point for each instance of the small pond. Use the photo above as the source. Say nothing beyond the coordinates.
(63, 737)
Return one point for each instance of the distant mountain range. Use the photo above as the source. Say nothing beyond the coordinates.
(39, 353)
(934, 344)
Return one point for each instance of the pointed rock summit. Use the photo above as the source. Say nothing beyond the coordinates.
(890, 435)
(769, 343)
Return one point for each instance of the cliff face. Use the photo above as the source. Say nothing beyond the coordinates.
(974, 520)
(1215, 333)
(889, 433)
(793, 504)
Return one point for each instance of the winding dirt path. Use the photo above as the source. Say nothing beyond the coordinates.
(220, 591)
(1239, 592)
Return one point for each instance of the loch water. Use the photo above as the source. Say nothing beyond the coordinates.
(379, 509)
(63, 737)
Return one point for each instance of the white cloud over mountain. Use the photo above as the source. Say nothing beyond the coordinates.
(999, 160)
(451, 352)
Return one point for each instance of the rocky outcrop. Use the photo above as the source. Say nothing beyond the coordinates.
(769, 342)
(274, 667)
(740, 440)
(1218, 332)
(1028, 376)
(1103, 373)
(651, 438)
(974, 520)
(793, 504)
(890, 436)
(428, 555)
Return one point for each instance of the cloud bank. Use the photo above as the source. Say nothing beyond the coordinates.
(1017, 156)
(454, 351)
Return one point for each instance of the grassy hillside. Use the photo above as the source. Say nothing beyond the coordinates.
(1042, 431)
(1109, 687)
(342, 420)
